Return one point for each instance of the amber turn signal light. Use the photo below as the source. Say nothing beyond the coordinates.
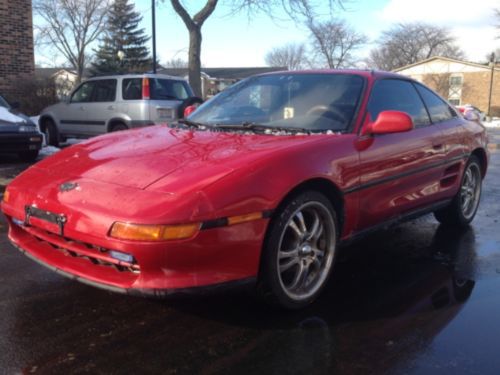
(6, 196)
(244, 218)
(144, 232)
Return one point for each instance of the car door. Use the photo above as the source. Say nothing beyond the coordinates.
(102, 106)
(73, 117)
(399, 172)
(447, 120)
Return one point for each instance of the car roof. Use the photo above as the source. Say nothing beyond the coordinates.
(367, 73)
(138, 75)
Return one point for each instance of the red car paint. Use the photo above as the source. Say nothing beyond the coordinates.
(160, 175)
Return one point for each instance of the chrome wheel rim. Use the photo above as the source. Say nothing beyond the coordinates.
(470, 190)
(306, 250)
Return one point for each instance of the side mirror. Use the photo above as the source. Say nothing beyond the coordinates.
(471, 115)
(390, 122)
(189, 109)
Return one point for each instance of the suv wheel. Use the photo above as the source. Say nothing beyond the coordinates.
(118, 127)
(50, 132)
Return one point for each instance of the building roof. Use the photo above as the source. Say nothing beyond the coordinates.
(224, 73)
(434, 58)
(50, 72)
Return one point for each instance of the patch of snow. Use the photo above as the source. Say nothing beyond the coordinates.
(5, 115)
(495, 123)
(49, 150)
(35, 119)
(73, 141)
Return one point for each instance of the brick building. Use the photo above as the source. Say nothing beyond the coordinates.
(16, 46)
(461, 82)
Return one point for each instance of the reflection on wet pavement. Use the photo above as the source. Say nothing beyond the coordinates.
(415, 299)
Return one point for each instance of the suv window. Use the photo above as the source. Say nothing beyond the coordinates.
(166, 89)
(397, 95)
(160, 89)
(132, 89)
(104, 90)
(83, 93)
(438, 109)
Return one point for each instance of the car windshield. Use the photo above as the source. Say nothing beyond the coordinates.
(313, 102)
(3, 103)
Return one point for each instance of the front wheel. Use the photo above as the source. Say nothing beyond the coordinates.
(51, 133)
(299, 251)
(464, 205)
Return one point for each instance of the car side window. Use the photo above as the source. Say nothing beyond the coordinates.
(132, 89)
(83, 94)
(438, 109)
(397, 95)
(104, 91)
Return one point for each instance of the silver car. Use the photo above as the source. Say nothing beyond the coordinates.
(106, 104)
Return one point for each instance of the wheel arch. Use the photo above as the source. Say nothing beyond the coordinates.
(480, 153)
(324, 186)
(42, 119)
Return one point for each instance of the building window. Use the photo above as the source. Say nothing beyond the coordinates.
(455, 91)
(456, 81)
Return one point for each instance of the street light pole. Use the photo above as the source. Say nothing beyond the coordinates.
(153, 6)
(492, 65)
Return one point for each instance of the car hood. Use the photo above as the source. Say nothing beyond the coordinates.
(138, 158)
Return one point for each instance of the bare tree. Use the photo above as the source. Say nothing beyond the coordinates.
(70, 26)
(333, 43)
(291, 56)
(408, 43)
(296, 9)
(176, 63)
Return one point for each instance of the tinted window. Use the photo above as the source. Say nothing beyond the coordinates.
(104, 90)
(132, 89)
(438, 109)
(83, 93)
(397, 95)
(166, 89)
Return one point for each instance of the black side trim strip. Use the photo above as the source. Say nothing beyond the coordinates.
(395, 221)
(73, 122)
(405, 174)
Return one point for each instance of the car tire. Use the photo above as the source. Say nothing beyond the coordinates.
(118, 127)
(28, 156)
(462, 209)
(299, 251)
(189, 101)
(51, 133)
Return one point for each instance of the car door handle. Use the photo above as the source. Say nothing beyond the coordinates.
(111, 107)
(81, 108)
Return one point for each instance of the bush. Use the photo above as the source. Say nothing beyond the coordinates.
(34, 95)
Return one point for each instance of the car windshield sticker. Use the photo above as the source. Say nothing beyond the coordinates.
(288, 112)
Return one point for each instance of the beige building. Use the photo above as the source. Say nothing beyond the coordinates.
(460, 82)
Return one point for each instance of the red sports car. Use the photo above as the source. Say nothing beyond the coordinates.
(262, 183)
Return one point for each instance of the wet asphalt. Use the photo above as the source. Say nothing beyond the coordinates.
(414, 299)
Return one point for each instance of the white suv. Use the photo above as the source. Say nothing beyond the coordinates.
(105, 104)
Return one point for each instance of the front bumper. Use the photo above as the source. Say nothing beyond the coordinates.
(20, 142)
(216, 258)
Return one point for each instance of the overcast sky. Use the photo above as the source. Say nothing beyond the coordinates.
(239, 41)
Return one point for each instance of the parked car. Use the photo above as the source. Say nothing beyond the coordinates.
(260, 184)
(18, 134)
(468, 107)
(106, 104)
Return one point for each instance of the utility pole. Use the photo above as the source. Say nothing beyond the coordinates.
(153, 6)
(492, 65)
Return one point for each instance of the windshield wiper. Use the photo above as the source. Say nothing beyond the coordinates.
(256, 126)
(194, 124)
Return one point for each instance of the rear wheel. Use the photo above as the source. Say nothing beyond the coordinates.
(299, 251)
(50, 132)
(464, 205)
(28, 156)
(118, 127)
